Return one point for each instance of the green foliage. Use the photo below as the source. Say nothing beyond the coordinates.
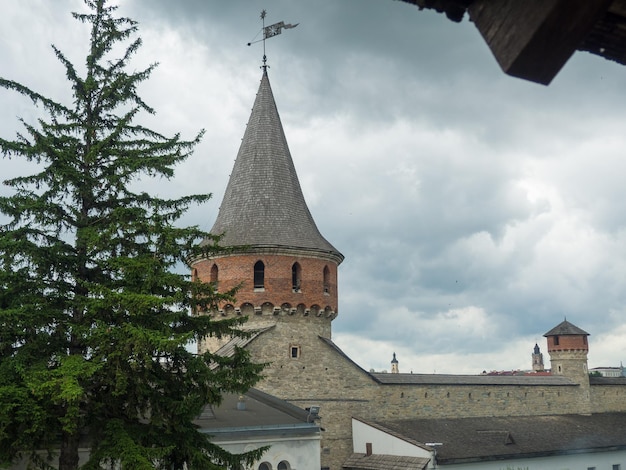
(94, 319)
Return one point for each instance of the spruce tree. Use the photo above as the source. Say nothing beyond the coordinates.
(94, 312)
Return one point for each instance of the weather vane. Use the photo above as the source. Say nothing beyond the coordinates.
(269, 32)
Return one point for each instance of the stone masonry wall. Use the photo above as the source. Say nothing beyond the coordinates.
(318, 376)
(608, 398)
(323, 376)
(460, 401)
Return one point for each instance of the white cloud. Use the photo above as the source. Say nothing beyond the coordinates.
(475, 210)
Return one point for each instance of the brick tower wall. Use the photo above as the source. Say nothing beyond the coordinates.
(314, 302)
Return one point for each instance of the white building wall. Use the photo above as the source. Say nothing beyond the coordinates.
(301, 453)
(383, 443)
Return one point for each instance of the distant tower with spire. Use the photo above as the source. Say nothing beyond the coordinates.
(286, 270)
(537, 359)
(394, 365)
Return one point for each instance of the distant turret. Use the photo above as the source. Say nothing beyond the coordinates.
(568, 348)
(394, 365)
(537, 359)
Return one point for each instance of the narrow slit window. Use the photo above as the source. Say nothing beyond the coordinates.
(326, 280)
(259, 275)
(214, 274)
(296, 277)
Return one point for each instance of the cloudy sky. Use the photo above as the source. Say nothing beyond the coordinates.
(475, 210)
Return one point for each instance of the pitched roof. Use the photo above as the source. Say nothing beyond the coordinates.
(489, 438)
(384, 462)
(593, 380)
(263, 205)
(261, 409)
(385, 378)
(565, 328)
(228, 349)
(449, 379)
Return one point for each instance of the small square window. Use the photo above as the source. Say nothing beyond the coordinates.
(294, 351)
(617, 466)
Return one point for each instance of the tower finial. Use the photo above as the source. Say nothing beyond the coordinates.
(268, 32)
(263, 14)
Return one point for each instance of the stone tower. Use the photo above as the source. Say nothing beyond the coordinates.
(568, 348)
(286, 269)
(537, 359)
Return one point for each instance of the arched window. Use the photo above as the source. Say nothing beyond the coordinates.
(326, 280)
(259, 275)
(284, 465)
(214, 273)
(265, 466)
(296, 277)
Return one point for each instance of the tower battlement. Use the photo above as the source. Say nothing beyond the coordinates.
(268, 309)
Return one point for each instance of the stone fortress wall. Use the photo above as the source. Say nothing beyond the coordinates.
(323, 375)
(306, 368)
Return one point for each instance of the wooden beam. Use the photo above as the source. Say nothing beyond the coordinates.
(533, 39)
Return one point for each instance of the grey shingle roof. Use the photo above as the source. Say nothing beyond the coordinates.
(607, 380)
(263, 205)
(384, 462)
(476, 439)
(228, 349)
(261, 409)
(447, 379)
(565, 328)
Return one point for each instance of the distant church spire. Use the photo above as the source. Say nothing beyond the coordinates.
(537, 359)
(394, 365)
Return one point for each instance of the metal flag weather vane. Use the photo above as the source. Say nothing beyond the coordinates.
(269, 32)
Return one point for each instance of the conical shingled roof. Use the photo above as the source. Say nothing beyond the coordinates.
(565, 328)
(263, 205)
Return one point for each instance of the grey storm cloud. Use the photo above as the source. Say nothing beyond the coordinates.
(475, 210)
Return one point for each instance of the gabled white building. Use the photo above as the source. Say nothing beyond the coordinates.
(556, 442)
